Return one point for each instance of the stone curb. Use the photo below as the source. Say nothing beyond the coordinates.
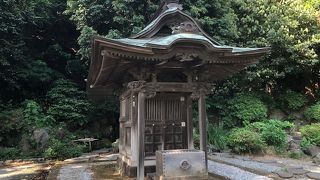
(255, 171)
(31, 160)
(91, 159)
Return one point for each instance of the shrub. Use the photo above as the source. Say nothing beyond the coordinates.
(11, 122)
(311, 133)
(313, 112)
(9, 153)
(247, 108)
(63, 150)
(243, 140)
(295, 155)
(34, 117)
(292, 100)
(259, 126)
(256, 126)
(217, 137)
(274, 136)
(285, 125)
(68, 104)
(272, 131)
(305, 143)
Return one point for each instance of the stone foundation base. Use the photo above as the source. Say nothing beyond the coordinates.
(131, 171)
(182, 178)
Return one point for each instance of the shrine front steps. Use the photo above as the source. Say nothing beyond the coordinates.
(231, 166)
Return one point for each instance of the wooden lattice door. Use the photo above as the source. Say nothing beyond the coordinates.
(166, 123)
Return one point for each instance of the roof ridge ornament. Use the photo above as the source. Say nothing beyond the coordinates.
(171, 4)
(171, 1)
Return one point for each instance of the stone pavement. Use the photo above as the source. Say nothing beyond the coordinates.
(80, 168)
(273, 167)
(22, 171)
(225, 171)
(220, 165)
(75, 172)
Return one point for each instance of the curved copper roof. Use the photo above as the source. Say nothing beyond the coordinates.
(173, 40)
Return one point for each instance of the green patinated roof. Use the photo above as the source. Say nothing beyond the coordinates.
(162, 42)
(155, 43)
(239, 49)
(159, 17)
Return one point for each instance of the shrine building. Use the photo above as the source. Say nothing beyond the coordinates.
(157, 74)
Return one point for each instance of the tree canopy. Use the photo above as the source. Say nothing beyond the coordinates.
(45, 54)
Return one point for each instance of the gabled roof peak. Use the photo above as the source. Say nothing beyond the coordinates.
(171, 20)
(167, 5)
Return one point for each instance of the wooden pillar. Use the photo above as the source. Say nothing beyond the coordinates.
(203, 124)
(134, 129)
(189, 123)
(141, 127)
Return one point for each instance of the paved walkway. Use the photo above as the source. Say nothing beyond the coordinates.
(80, 168)
(21, 171)
(258, 167)
(75, 172)
(231, 172)
(274, 167)
(222, 166)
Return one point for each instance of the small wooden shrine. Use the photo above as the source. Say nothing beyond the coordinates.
(157, 73)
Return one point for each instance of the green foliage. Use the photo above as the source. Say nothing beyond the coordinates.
(17, 20)
(274, 136)
(37, 72)
(63, 150)
(285, 125)
(34, 116)
(292, 30)
(272, 131)
(295, 155)
(305, 143)
(84, 40)
(217, 137)
(247, 108)
(256, 126)
(293, 101)
(243, 140)
(68, 103)
(11, 120)
(125, 16)
(311, 133)
(196, 138)
(217, 17)
(9, 153)
(313, 112)
(38, 44)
